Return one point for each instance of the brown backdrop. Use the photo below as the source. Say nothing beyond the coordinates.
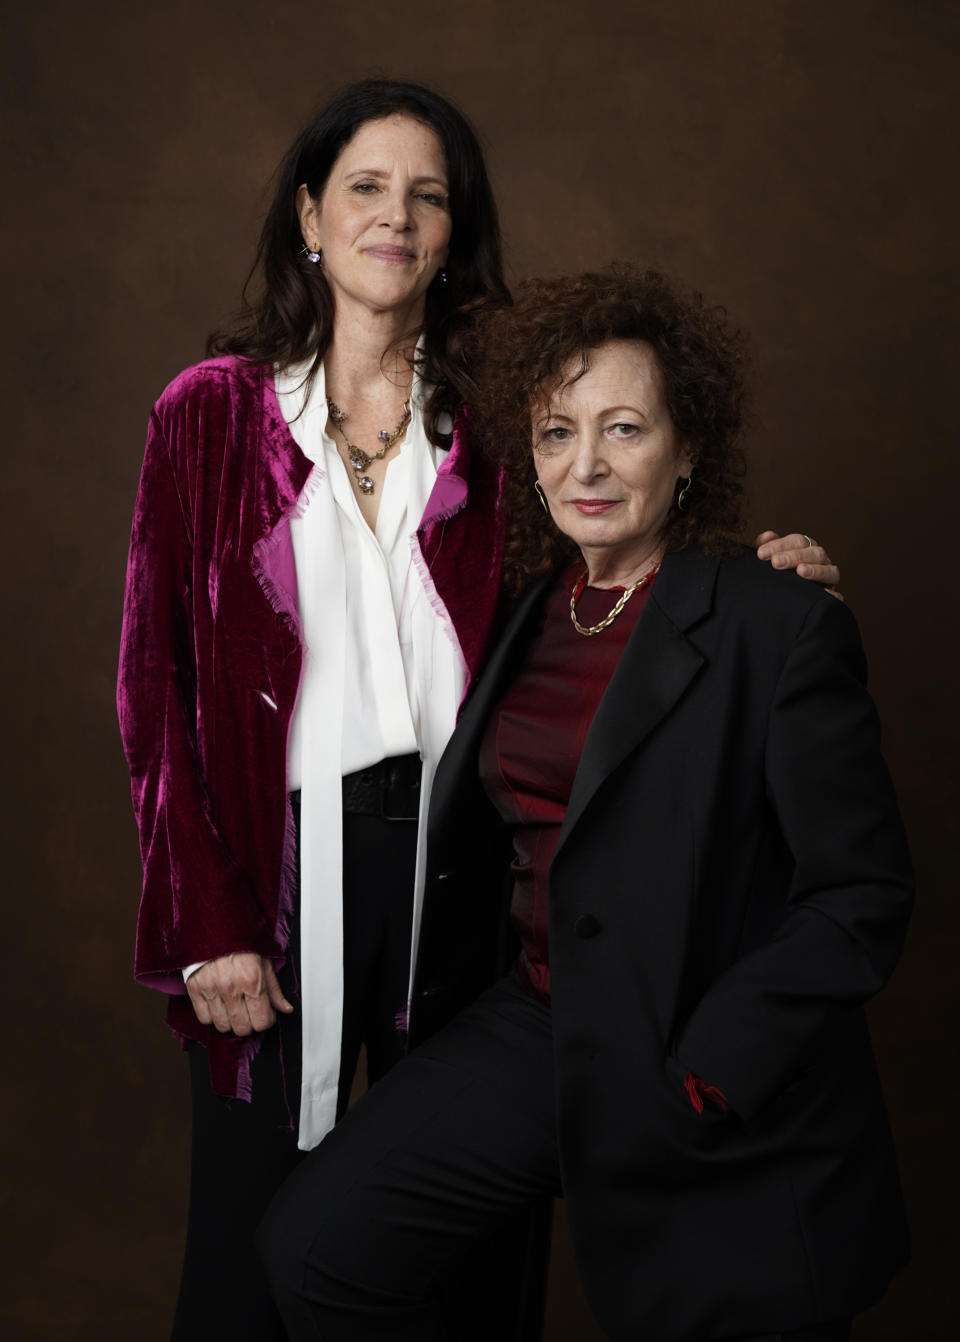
(788, 157)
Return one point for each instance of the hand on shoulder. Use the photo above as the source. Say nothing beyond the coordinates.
(802, 554)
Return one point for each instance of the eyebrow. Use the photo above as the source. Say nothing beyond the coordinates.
(381, 172)
(609, 410)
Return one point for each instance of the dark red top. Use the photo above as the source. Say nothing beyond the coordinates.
(533, 743)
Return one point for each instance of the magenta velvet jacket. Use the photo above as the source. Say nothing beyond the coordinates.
(210, 666)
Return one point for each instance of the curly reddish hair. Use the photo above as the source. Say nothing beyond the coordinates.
(525, 354)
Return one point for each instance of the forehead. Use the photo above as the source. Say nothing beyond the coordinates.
(396, 138)
(620, 372)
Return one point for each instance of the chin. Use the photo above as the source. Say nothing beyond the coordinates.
(387, 299)
(596, 533)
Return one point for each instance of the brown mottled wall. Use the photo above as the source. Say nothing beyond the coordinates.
(792, 159)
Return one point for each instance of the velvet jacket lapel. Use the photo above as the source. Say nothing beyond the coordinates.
(462, 547)
(458, 766)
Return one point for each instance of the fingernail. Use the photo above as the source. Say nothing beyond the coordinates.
(779, 561)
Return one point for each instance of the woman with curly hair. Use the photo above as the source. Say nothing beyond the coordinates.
(669, 778)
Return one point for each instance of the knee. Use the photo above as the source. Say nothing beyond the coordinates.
(317, 1270)
(282, 1251)
(302, 1239)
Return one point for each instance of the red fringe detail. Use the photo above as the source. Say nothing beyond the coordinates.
(698, 1091)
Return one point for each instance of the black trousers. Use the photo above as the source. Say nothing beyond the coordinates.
(241, 1153)
(363, 1239)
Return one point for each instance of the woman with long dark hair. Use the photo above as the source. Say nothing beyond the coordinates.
(314, 574)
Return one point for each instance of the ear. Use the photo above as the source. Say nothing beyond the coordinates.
(686, 459)
(308, 212)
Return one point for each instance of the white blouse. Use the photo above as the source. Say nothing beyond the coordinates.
(380, 708)
(383, 675)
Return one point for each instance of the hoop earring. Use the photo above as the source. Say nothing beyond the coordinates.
(311, 255)
(542, 497)
(682, 496)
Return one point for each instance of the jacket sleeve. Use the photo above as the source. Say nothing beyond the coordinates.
(196, 904)
(760, 1022)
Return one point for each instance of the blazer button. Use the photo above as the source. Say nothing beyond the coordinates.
(586, 926)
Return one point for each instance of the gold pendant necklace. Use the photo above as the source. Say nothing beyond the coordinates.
(628, 592)
(359, 459)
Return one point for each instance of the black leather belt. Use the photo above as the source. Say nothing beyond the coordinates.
(390, 788)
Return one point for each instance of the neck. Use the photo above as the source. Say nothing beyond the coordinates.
(611, 568)
(371, 353)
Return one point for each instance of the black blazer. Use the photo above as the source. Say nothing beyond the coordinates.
(730, 885)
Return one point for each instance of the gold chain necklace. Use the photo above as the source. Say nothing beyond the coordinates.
(578, 587)
(359, 459)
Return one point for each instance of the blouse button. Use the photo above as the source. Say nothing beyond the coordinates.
(586, 926)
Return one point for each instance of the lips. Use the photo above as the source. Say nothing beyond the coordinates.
(384, 253)
(594, 507)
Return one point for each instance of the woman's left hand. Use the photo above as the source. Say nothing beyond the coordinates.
(802, 553)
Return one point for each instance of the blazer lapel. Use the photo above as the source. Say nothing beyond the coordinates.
(459, 760)
(657, 665)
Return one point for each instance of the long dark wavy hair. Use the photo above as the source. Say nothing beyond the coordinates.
(291, 318)
(528, 352)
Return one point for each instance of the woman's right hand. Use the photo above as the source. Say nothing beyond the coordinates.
(238, 993)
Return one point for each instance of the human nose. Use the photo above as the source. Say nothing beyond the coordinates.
(396, 210)
(589, 460)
